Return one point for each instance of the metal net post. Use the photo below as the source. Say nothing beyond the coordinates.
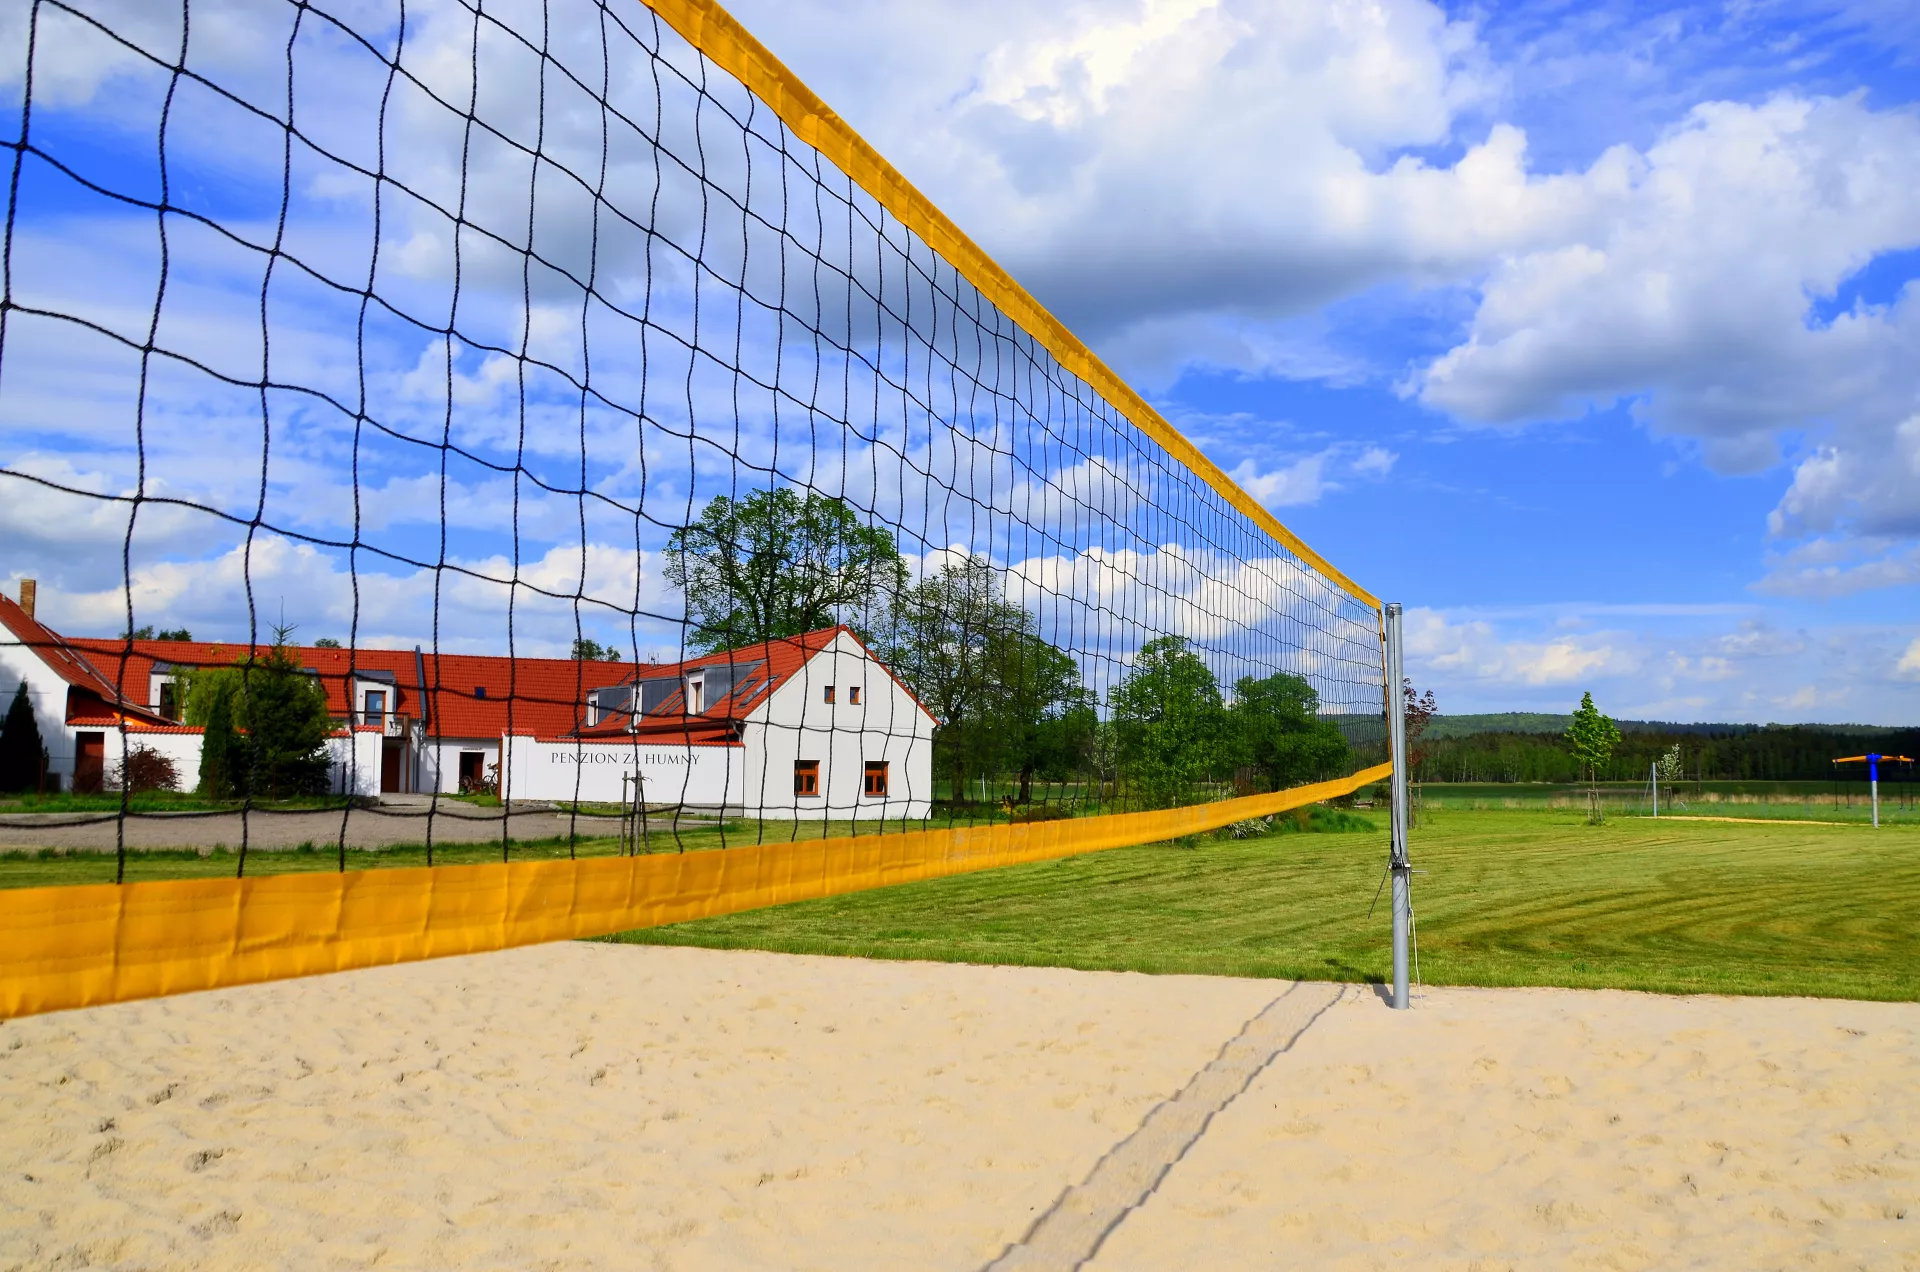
(1402, 868)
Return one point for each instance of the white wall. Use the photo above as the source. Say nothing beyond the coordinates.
(592, 771)
(795, 723)
(182, 748)
(440, 761)
(48, 694)
(353, 761)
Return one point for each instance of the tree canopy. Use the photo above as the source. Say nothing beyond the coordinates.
(777, 563)
(1169, 723)
(1278, 733)
(1007, 700)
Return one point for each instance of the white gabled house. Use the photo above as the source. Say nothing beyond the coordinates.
(810, 726)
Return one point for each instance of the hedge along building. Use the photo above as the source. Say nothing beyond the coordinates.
(810, 726)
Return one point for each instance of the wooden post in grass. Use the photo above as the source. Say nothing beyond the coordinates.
(1397, 862)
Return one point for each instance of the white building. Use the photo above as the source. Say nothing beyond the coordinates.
(810, 727)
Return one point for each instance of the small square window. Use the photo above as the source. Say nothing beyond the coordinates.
(806, 777)
(827, 696)
(480, 691)
(853, 695)
(876, 775)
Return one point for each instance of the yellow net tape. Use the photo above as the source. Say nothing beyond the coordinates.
(106, 943)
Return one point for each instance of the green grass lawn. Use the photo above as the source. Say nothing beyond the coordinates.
(1510, 898)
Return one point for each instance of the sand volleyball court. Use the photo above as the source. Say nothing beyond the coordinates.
(598, 1106)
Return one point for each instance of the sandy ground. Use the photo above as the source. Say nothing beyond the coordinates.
(396, 823)
(594, 1106)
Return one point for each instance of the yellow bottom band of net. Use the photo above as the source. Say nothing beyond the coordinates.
(84, 946)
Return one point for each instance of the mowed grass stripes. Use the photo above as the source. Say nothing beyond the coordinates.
(1509, 898)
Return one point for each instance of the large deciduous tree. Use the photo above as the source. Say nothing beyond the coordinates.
(943, 642)
(1042, 715)
(777, 563)
(1279, 734)
(1169, 723)
(1007, 701)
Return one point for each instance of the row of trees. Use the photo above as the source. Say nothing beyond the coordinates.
(777, 563)
(1776, 753)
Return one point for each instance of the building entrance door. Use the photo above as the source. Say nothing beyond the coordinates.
(89, 762)
(389, 768)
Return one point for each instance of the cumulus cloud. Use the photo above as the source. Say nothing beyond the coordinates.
(1909, 664)
(1694, 297)
(1676, 663)
(249, 586)
(1178, 177)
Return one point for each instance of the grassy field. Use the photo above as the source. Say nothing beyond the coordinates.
(1509, 898)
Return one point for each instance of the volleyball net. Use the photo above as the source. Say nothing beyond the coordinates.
(547, 435)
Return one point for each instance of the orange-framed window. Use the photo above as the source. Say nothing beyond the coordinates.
(876, 778)
(853, 695)
(827, 694)
(806, 777)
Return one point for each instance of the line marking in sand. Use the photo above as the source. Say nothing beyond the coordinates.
(1072, 1230)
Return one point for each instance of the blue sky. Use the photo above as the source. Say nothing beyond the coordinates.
(1657, 434)
(1586, 331)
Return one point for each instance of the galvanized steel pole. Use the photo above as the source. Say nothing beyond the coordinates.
(1402, 869)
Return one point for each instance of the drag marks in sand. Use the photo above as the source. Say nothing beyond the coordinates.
(598, 1106)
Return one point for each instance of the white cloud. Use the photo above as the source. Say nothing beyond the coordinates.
(1300, 482)
(1139, 163)
(1375, 461)
(1838, 566)
(1694, 291)
(1910, 661)
(1178, 177)
(319, 592)
(1684, 664)
(1475, 651)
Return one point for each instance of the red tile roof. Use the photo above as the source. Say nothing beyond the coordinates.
(99, 699)
(766, 667)
(467, 695)
(545, 697)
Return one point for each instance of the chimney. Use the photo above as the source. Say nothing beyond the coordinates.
(29, 589)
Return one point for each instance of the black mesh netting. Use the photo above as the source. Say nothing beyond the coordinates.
(509, 392)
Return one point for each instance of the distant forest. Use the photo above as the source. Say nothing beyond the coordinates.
(1527, 747)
